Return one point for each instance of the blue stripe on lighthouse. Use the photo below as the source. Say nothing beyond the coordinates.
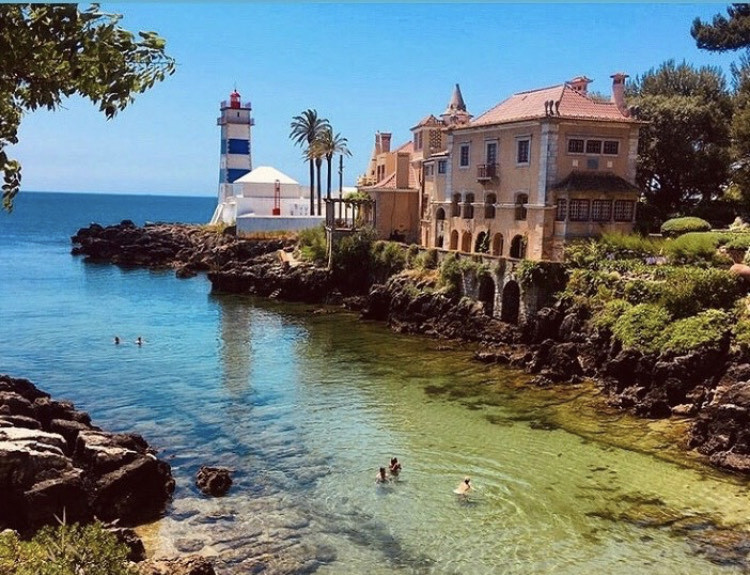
(234, 174)
(238, 146)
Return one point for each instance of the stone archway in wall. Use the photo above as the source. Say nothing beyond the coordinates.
(518, 247)
(511, 302)
(466, 242)
(486, 294)
(497, 245)
(454, 240)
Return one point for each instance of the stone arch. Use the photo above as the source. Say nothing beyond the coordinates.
(454, 240)
(511, 303)
(440, 214)
(518, 247)
(497, 245)
(466, 242)
(486, 294)
(482, 243)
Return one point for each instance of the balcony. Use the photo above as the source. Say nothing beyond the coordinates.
(487, 172)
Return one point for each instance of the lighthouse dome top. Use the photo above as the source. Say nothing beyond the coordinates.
(235, 102)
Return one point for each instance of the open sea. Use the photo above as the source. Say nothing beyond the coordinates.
(305, 408)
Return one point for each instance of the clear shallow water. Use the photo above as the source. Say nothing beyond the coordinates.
(306, 407)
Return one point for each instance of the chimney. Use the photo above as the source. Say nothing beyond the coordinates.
(580, 84)
(385, 142)
(403, 165)
(618, 92)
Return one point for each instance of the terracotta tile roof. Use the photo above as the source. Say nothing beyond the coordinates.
(389, 182)
(428, 121)
(578, 181)
(407, 147)
(530, 105)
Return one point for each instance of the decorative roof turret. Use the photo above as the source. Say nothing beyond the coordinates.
(456, 112)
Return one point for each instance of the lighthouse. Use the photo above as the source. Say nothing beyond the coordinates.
(235, 159)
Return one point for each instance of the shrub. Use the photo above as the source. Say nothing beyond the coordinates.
(692, 248)
(451, 275)
(611, 312)
(312, 244)
(678, 226)
(427, 259)
(584, 254)
(689, 290)
(642, 327)
(630, 245)
(705, 330)
(65, 550)
(388, 258)
(640, 290)
(411, 255)
(551, 275)
(352, 259)
(737, 241)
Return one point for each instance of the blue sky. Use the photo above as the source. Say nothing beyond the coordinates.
(365, 67)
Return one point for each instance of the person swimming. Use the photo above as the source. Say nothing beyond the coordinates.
(381, 477)
(464, 487)
(395, 467)
(117, 340)
(139, 340)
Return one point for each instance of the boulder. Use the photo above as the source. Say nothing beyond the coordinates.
(214, 481)
(190, 565)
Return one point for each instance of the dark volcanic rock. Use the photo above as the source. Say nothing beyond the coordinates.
(214, 481)
(63, 464)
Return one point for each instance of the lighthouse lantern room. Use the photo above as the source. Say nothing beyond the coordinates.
(236, 159)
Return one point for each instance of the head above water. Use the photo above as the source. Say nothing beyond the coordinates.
(467, 480)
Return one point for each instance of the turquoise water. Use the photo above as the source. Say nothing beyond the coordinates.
(305, 408)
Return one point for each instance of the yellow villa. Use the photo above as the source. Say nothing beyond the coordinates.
(539, 169)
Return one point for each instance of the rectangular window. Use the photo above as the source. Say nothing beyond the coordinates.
(441, 166)
(429, 169)
(522, 157)
(464, 157)
(491, 153)
(575, 146)
(562, 210)
(601, 210)
(611, 147)
(624, 210)
(592, 163)
(579, 211)
(593, 146)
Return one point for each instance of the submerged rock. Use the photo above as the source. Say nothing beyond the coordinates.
(214, 481)
(191, 565)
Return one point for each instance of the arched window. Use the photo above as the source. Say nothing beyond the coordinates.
(440, 214)
(482, 244)
(521, 200)
(466, 242)
(454, 240)
(489, 206)
(518, 247)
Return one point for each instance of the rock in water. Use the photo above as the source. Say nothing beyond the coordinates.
(214, 481)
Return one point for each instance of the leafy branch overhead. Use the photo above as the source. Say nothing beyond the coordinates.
(52, 51)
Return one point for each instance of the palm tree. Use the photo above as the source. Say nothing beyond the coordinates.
(306, 129)
(314, 154)
(332, 144)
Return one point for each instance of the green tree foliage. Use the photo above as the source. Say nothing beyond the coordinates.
(65, 550)
(722, 34)
(331, 144)
(684, 149)
(678, 226)
(305, 130)
(51, 51)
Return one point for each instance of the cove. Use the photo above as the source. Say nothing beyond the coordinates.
(306, 407)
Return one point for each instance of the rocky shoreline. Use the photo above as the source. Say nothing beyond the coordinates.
(709, 386)
(56, 465)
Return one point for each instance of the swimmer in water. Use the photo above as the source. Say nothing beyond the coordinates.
(464, 487)
(395, 467)
(117, 340)
(381, 477)
(139, 340)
